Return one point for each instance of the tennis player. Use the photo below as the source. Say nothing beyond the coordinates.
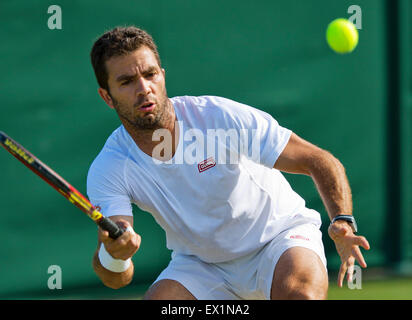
(236, 228)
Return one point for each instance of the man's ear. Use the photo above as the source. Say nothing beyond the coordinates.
(106, 97)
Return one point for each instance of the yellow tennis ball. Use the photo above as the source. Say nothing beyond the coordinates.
(342, 35)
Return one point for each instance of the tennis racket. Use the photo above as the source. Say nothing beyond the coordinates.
(61, 185)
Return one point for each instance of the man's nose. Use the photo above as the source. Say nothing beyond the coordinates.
(143, 86)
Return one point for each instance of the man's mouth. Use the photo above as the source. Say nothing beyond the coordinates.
(147, 106)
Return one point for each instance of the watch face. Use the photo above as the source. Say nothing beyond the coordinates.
(354, 226)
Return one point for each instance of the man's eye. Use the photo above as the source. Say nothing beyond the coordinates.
(126, 82)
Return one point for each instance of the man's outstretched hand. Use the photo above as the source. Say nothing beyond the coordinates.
(347, 244)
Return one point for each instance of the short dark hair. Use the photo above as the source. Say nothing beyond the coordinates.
(117, 42)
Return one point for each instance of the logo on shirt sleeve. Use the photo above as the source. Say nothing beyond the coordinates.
(206, 164)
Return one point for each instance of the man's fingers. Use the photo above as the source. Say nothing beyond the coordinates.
(121, 242)
(103, 235)
(359, 257)
(341, 275)
(123, 223)
(126, 245)
(361, 241)
(348, 246)
(351, 268)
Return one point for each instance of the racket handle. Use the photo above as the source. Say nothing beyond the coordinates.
(114, 230)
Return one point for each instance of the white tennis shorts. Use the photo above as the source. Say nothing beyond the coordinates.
(249, 277)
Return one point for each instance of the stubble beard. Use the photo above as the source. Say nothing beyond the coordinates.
(143, 122)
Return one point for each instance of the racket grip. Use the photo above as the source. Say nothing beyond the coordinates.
(114, 230)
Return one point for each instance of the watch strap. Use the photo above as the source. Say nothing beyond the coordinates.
(349, 219)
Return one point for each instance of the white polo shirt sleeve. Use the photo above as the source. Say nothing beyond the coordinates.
(262, 137)
(106, 185)
(273, 138)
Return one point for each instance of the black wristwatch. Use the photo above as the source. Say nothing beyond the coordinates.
(349, 219)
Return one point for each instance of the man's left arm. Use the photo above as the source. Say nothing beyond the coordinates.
(301, 157)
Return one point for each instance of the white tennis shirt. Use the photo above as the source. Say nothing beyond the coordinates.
(217, 198)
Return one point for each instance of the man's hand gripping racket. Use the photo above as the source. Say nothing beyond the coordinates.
(61, 185)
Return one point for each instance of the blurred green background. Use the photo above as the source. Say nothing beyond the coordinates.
(268, 54)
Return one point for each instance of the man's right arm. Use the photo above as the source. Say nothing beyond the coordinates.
(122, 248)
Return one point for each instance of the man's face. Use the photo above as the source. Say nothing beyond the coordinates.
(137, 88)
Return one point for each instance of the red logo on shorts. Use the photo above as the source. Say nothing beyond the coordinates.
(206, 164)
(298, 236)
